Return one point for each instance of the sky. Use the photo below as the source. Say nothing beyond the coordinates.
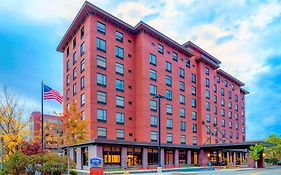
(244, 35)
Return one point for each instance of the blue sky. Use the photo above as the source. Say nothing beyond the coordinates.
(244, 35)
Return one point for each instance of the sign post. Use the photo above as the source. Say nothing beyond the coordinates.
(96, 166)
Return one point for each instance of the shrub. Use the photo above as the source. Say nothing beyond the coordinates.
(73, 172)
(16, 163)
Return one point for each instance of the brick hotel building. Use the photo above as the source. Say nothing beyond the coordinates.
(113, 70)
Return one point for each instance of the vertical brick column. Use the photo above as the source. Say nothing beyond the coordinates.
(176, 158)
(203, 158)
(79, 159)
(144, 158)
(189, 157)
(241, 158)
(234, 158)
(162, 158)
(124, 157)
(71, 155)
(227, 157)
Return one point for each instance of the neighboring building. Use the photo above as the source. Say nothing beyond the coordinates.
(52, 130)
(113, 70)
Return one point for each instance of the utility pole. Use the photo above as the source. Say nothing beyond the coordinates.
(159, 168)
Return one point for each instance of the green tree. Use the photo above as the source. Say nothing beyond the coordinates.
(273, 153)
(255, 152)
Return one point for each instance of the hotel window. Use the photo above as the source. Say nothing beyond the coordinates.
(208, 130)
(243, 130)
(169, 138)
(207, 71)
(237, 135)
(153, 136)
(168, 95)
(82, 32)
(243, 122)
(207, 94)
(193, 103)
(207, 82)
(101, 27)
(193, 90)
(194, 140)
(101, 80)
(119, 36)
(67, 79)
(182, 112)
(230, 114)
(119, 68)
(67, 65)
(215, 110)
(82, 66)
(229, 105)
(82, 49)
(222, 112)
(101, 132)
(111, 155)
(82, 83)
(215, 99)
(153, 105)
(67, 52)
(153, 121)
(182, 86)
(208, 106)
(153, 74)
(74, 89)
(101, 97)
(194, 128)
(74, 58)
(208, 118)
(236, 98)
(101, 62)
(242, 112)
(181, 72)
(229, 94)
(215, 120)
(120, 118)
(84, 156)
(223, 123)
(119, 52)
(152, 156)
(222, 102)
(119, 101)
(169, 124)
(187, 63)
(222, 91)
(102, 115)
(236, 116)
(193, 78)
(236, 126)
(194, 115)
(152, 59)
(223, 133)
(67, 94)
(183, 139)
(168, 66)
(82, 100)
(218, 79)
(168, 80)
(236, 107)
(215, 88)
(74, 73)
(153, 89)
(175, 56)
(230, 134)
(160, 49)
(120, 85)
(230, 124)
(183, 126)
(225, 83)
(169, 109)
(182, 99)
(120, 134)
(101, 45)
(74, 43)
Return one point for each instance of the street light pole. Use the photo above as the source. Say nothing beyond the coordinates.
(159, 168)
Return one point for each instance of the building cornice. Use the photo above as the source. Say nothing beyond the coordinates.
(244, 91)
(230, 77)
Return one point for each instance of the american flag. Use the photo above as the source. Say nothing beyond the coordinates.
(50, 93)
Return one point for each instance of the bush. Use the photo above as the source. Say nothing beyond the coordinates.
(73, 172)
(16, 163)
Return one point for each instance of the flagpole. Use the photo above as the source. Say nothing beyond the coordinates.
(42, 115)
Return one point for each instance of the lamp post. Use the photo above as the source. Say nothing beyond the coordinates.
(159, 168)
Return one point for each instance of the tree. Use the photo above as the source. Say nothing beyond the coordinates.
(12, 126)
(30, 148)
(273, 153)
(255, 152)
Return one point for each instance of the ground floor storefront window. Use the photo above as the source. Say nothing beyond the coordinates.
(84, 156)
(182, 157)
(194, 157)
(152, 156)
(169, 157)
(112, 155)
(134, 156)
